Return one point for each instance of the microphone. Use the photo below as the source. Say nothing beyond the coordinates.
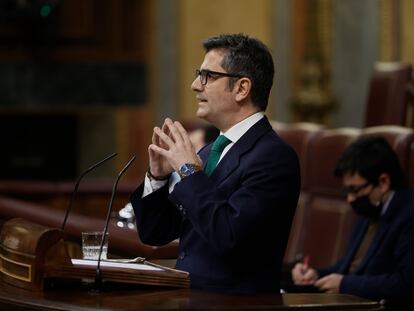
(98, 276)
(77, 185)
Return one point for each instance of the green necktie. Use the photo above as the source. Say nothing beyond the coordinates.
(218, 146)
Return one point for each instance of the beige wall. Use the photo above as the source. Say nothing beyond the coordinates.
(396, 31)
(199, 19)
(407, 32)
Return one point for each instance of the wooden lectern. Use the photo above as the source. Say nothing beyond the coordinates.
(31, 253)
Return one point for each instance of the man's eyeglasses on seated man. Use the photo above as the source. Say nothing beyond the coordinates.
(354, 190)
(204, 74)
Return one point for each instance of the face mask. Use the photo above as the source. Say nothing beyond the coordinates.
(363, 207)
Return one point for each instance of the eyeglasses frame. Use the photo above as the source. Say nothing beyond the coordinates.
(354, 190)
(208, 73)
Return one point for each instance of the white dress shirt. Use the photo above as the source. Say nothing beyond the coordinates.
(387, 203)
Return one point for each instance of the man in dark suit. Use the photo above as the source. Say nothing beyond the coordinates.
(233, 218)
(379, 263)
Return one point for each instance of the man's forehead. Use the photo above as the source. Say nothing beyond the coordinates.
(213, 59)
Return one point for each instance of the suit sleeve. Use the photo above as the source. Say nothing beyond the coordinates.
(331, 269)
(158, 221)
(398, 282)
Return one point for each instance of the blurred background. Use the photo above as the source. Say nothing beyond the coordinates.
(80, 79)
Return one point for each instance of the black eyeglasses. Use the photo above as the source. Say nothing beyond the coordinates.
(354, 190)
(204, 74)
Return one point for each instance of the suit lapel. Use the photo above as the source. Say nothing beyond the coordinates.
(383, 228)
(231, 159)
(203, 153)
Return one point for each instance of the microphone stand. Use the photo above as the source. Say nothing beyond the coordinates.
(98, 276)
(72, 198)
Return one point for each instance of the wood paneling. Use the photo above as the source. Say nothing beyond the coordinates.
(103, 32)
(85, 30)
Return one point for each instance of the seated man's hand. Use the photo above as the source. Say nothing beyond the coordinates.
(330, 283)
(304, 275)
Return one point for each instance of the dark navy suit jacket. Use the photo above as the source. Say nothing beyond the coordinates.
(387, 270)
(234, 225)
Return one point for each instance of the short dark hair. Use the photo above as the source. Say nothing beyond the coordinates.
(248, 57)
(370, 157)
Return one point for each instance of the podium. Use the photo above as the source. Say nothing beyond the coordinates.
(31, 253)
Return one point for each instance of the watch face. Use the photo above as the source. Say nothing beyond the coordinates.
(186, 170)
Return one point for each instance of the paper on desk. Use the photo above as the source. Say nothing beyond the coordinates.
(135, 266)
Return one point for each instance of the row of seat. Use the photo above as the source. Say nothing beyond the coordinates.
(323, 221)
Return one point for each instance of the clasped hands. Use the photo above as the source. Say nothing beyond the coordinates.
(304, 275)
(171, 147)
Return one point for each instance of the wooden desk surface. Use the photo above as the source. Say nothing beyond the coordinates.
(130, 297)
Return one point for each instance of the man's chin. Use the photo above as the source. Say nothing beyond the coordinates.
(201, 114)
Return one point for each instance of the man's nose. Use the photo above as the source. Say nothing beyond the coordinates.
(196, 85)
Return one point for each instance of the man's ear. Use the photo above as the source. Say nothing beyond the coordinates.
(384, 182)
(242, 88)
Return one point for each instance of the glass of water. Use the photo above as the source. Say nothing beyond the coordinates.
(91, 243)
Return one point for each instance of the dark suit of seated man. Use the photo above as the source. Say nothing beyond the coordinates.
(233, 218)
(379, 262)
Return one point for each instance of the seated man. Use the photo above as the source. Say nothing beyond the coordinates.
(379, 262)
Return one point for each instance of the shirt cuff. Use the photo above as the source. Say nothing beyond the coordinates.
(152, 185)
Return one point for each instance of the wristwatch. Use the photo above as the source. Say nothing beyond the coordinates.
(188, 169)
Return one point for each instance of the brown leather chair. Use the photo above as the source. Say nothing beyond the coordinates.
(294, 249)
(325, 220)
(324, 152)
(298, 135)
(388, 96)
